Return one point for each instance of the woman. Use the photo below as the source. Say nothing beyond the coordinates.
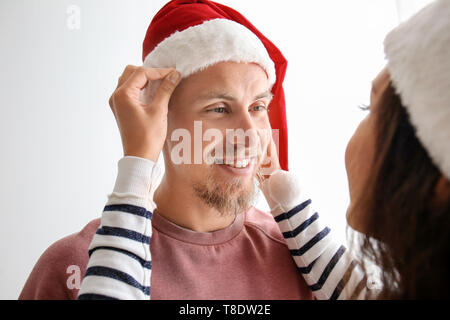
(400, 180)
(402, 200)
(398, 165)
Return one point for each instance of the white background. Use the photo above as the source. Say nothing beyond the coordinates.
(59, 140)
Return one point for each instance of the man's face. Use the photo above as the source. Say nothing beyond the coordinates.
(213, 105)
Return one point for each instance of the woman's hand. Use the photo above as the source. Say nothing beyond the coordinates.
(143, 128)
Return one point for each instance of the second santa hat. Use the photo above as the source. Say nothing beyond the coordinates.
(418, 54)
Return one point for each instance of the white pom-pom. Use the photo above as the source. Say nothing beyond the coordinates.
(284, 188)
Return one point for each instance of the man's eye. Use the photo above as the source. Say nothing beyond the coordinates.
(218, 110)
(259, 108)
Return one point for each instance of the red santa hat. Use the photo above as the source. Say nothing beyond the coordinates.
(418, 54)
(191, 35)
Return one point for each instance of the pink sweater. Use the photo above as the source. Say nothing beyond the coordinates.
(247, 260)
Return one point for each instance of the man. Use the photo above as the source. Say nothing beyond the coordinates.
(207, 242)
(197, 235)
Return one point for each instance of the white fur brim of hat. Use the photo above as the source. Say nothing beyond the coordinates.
(418, 54)
(198, 47)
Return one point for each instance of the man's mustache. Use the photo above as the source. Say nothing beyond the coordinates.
(215, 153)
(227, 150)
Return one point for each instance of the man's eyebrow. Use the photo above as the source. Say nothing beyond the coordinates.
(226, 96)
(216, 95)
(266, 94)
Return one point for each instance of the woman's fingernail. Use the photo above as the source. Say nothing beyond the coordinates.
(174, 77)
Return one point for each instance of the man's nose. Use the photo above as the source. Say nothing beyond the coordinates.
(245, 122)
(244, 134)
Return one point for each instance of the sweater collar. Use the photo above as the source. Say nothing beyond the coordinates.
(200, 238)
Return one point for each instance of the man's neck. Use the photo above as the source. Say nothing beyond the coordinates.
(177, 202)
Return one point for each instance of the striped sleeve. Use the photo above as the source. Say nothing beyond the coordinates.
(120, 263)
(328, 267)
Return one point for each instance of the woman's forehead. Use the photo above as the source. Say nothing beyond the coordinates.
(381, 81)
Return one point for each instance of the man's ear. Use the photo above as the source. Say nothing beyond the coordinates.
(442, 192)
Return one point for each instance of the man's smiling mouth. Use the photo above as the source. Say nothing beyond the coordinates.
(240, 167)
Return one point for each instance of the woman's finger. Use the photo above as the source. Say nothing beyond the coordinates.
(127, 72)
(140, 77)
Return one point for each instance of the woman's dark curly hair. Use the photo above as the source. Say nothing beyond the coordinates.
(401, 211)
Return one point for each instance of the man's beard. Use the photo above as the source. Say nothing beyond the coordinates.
(229, 197)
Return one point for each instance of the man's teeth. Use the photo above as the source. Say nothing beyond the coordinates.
(238, 164)
(242, 163)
